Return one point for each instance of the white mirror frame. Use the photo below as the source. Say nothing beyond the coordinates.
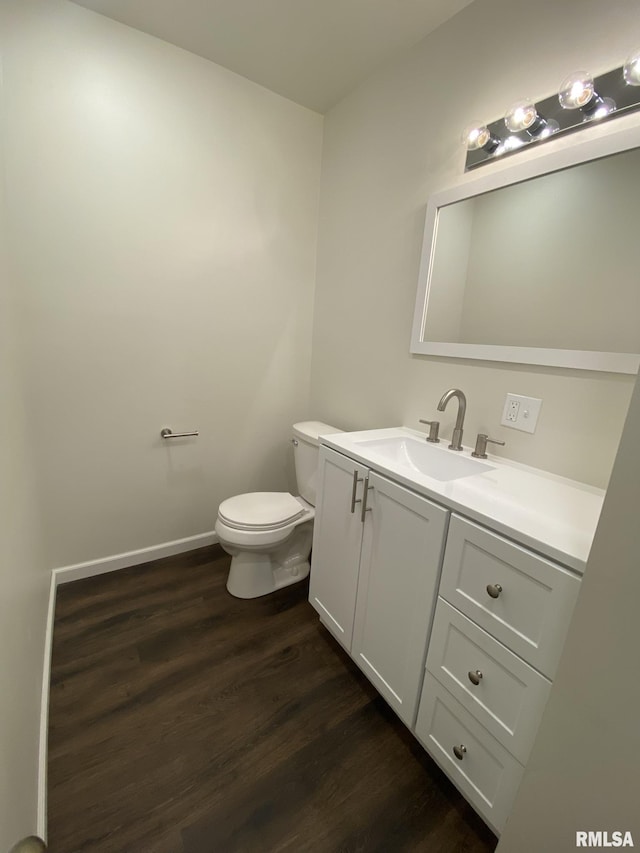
(569, 155)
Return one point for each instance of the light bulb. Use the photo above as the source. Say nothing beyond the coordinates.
(576, 91)
(631, 70)
(521, 116)
(478, 136)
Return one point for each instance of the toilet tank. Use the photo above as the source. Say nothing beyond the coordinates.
(305, 454)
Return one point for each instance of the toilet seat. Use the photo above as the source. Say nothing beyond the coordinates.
(261, 511)
(261, 519)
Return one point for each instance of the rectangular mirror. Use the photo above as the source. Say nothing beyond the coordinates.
(538, 263)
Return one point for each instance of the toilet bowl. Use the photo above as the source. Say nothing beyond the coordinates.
(269, 534)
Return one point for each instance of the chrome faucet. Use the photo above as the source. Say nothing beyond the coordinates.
(456, 438)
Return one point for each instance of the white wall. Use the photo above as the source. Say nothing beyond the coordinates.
(164, 219)
(582, 774)
(387, 147)
(23, 581)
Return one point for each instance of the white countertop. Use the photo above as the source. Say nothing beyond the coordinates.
(555, 516)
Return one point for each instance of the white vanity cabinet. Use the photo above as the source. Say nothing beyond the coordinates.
(376, 567)
(389, 563)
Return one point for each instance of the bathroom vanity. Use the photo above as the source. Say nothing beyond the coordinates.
(451, 582)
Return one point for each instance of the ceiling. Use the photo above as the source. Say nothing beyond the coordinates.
(311, 51)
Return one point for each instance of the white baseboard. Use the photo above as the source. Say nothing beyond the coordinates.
(66, 574)
(44, 714)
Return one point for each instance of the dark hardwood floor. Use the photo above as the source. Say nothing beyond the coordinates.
(183, 720)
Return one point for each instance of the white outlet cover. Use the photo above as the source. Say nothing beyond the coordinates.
(528, 412)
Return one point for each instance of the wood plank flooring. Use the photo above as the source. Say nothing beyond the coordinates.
(183, 720)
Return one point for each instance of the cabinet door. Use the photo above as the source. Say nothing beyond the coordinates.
(337, 538)
(399, 571)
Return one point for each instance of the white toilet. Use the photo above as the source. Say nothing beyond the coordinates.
(268, 534)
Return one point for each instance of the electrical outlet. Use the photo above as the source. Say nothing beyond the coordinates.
(521, 412)
(512, 409)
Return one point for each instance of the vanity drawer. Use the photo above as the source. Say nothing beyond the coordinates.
(485, 772)
(522, 599)
(501, 691)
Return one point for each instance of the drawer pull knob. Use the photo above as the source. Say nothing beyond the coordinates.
(474, 677)
(459, 751)
(494, 590)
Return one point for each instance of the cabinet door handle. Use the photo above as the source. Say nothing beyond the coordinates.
(494, 590)
(356, 480)
(459, 751)
(365, 494)
(474, 677)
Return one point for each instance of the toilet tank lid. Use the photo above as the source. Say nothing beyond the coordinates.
(310, 431)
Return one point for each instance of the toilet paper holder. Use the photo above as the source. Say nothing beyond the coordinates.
(167, 433)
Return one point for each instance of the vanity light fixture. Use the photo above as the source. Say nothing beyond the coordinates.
(580, 101)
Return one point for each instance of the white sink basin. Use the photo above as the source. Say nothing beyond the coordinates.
(417, 455)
